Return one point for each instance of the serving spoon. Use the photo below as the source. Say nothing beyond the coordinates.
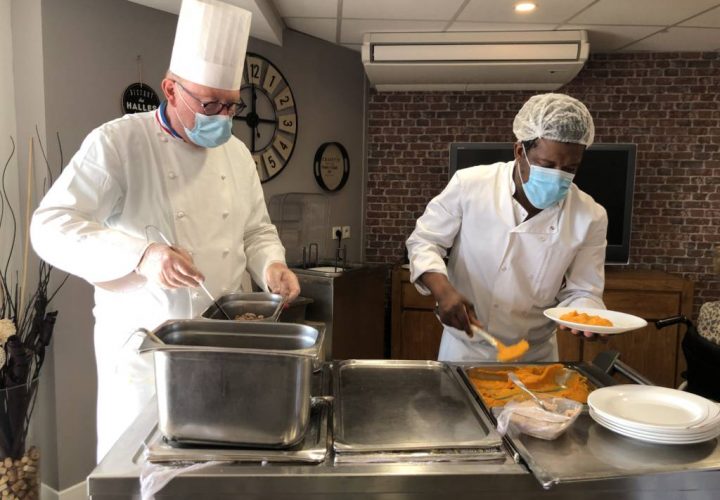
(516, 380)
(504, 353)
(202, 285)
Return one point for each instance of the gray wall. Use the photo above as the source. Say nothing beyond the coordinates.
(29, 88)
(89, 49)
(328, 85)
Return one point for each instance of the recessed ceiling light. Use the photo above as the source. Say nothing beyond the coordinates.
(525, 7)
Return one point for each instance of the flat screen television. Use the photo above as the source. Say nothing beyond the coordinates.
(607, 174)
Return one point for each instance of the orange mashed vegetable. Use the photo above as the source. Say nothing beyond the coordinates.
(496, 390)
(585, 319)
(507, 353)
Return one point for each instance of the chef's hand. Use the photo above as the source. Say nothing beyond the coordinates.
(170, 267)
(452, 308)
(589, 336)
(282, 280)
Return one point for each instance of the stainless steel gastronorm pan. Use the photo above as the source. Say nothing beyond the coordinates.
(237, 383)
(236, 304)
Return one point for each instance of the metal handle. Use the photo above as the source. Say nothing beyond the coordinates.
(632, 373)
(311, 262)
(662, 323)
(609, 361)
(278, 311)
(328, 400)
(479, 331)
(150, 335)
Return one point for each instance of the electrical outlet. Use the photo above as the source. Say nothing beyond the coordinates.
(334, 232)
(346, 232)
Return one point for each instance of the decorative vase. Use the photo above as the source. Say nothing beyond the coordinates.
(19, 464)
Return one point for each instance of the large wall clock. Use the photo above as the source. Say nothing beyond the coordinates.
(268, 124)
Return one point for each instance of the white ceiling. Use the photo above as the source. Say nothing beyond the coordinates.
(612, 25)
(266, 24)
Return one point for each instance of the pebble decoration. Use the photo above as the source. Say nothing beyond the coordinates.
(20, 478)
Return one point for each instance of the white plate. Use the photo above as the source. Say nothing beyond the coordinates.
(666, 434)
(626, 431)
(621, 322)
(710, 422)
(650, 406)
(655, 438)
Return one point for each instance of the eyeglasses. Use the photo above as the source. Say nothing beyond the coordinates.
(215, 107)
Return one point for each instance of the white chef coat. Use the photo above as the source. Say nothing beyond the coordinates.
(510, 271)
(130, 173)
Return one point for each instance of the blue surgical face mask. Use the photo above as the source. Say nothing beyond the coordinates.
(546, 186)
(209, 131)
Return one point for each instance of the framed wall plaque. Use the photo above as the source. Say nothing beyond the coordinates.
(331, 166)
(139, 97)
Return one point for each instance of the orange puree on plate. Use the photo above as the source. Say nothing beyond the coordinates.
(585, 319)
(496, 390)
(507, 353)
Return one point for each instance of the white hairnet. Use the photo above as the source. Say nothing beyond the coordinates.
(557, 117)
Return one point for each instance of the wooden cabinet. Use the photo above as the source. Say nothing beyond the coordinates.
(416, 331)
(652, 295)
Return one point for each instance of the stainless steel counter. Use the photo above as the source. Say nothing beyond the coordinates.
(117, 476)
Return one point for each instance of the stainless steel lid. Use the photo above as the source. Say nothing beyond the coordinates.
(393, 405)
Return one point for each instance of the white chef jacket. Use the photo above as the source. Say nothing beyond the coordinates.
(130, 173)
(510, 271)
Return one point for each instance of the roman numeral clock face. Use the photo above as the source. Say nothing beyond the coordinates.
(268, 123)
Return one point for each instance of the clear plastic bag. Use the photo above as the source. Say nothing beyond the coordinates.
(529, 418)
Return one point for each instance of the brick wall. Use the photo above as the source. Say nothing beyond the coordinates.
(668, 104)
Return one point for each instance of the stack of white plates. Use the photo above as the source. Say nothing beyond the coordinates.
(655, 414)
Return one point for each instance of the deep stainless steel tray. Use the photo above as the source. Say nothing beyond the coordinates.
(488, 370)
(236, 304)
(588, 451)
(393, 405)
(236, 383)
(205, 335)
(312, 449)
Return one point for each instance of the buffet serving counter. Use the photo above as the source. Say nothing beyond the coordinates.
(587, 461)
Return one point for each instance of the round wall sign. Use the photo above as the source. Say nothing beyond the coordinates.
(139, 97)
(331, 166)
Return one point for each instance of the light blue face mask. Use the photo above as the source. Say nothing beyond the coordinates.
(209, 131)
(546, 186)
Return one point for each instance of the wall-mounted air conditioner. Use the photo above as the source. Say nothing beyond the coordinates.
(489, 60)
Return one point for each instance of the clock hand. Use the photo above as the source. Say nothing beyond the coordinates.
(253, 125)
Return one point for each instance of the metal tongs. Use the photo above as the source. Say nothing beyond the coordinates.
(202, 285)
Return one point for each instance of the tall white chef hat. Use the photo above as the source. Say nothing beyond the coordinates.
(210, 43)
